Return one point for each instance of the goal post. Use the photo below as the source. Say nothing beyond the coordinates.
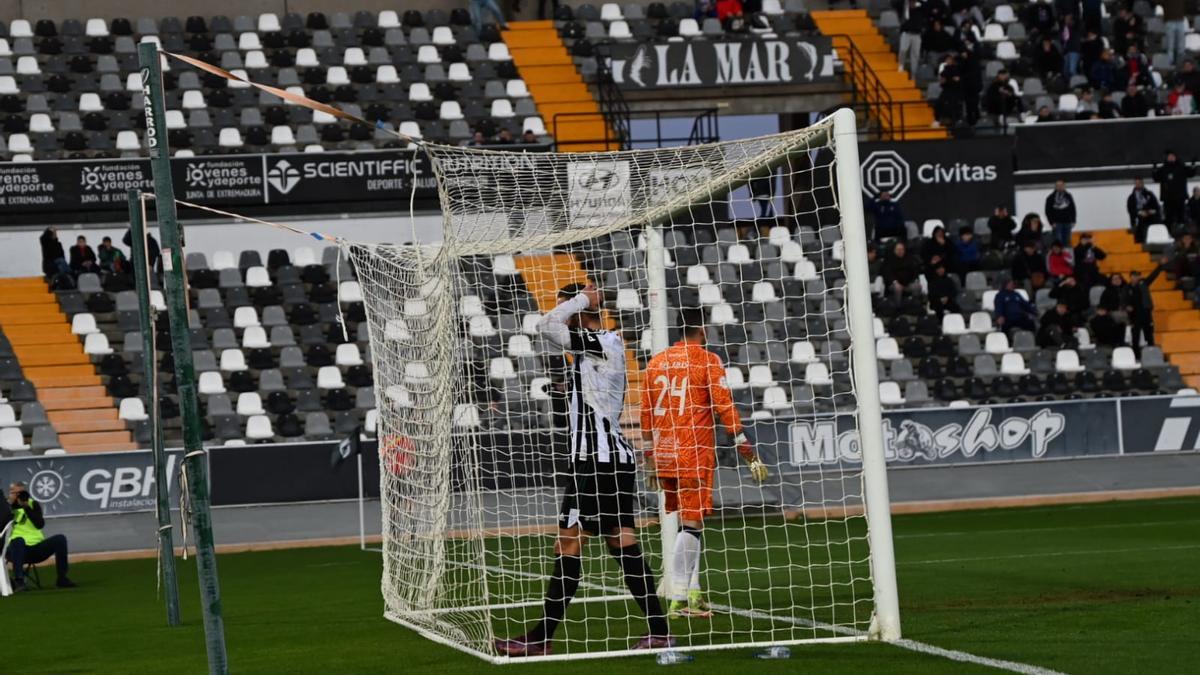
(477, 397)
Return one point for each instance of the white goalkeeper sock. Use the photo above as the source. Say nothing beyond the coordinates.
(685, 562)
(695, 583)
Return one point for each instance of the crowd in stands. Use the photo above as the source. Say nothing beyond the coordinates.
(1045, 281)
(1135, 63)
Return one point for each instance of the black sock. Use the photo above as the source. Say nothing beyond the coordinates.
(559, 592)
(641, 584)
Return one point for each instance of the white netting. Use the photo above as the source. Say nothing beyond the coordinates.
(473, 395)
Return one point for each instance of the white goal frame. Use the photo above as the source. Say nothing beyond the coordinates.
(885, 619)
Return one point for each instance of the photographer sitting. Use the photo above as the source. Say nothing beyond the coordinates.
(27, 544)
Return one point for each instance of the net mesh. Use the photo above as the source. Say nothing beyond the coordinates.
(472, 395)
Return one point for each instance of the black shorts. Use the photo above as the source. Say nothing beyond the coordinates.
(599, 503)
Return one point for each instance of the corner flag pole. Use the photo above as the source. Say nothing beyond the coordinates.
(195, 465)
(166, 541)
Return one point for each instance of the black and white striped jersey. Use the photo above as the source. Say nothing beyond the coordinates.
(597, 387)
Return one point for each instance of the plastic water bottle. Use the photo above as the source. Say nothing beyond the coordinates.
(672, 657)
(774, 653)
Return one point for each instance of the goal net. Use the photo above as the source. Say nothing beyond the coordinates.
(478, 427)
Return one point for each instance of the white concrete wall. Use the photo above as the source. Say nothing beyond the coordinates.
(20, 254)
(1100, 205)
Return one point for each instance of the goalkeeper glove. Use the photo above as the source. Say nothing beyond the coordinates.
(758, 470)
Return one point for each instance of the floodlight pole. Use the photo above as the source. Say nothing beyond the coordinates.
(166, 541)
(195, 464)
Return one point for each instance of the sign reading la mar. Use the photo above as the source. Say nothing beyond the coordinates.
(700, 63)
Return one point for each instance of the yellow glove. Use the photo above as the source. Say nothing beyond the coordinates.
(758, 470)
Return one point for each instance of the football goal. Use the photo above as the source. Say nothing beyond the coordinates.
(479, 402)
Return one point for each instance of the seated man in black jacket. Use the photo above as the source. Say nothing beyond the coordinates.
(27, 544)
(1057, 328)
(1106, 330)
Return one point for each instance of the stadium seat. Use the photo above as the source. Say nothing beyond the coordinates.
(501, 368)
(233, 360)
(817, 374)
(8, 416)
(887, 349)
(211, 383)
(250, 403)
(889, 394)
(775, 399)
(953, 325)
(96, 344)
(255, 337)
(329, 377)
(132, 410)
(1158, 237)
(1123, 358)
(244, 317)
(1067, 361)
(258, 428)
(803, 352)
(1013, 364)
(466, 416)
(12, 440)
(348, 355)
(84, 324)
(997, 343)
(761, 377)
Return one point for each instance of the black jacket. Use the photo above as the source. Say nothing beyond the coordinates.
(1024, 265)
(1143, 300)
(1172, 176)
(1117, 298)
(905, 270)
(1060, 208)
(1149, 203)
(1107, 331)
(81, 257)
(152, 250)
(52, 250)
(1001, 228)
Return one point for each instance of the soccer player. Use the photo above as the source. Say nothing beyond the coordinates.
(683, 388)
(599, 499)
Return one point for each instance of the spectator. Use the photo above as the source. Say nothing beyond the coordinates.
(762, 191)
(1172, 176)
(936, 40)
(971, 78)
(937, 250)
(1109, 110)
(1141, 313)
(1103, 74)
(1189, 75)
(1181, 101)
(1186, 262)
(1134, 104)
(1176, 25)
(1117, 298)
(1143, 209)
(1001, 98)
(1091, 15)
(1031, 231)
(480, 8)
(1044, 114)
(728, 8)
(505, 137)
(112, 259)
(83, 258)
(1087, 257)
(912, 26)
(1128, 29)
(1060, 211)
(1039, 18)
(54, 259)
(1086, 109)
(1001, 226)
(1058, 261)
(950, 101)
(1137, 68)
(966, 253)
(943, 291)
(1012, 310)
(27, 544)
(1075, 296)
(1028, 262)
(529, 138)
(1047, 59)
(889, 219)
(478, 139)
(1070, 37)
(1107, 331)
(874, 263)
(1090, 49)
(901, 271)
(1057, 328)
(153, 252)
(1192, 208)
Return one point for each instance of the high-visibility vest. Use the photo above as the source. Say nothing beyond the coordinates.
(23, 527)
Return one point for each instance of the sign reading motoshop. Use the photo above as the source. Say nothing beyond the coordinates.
(961, 435)
(703, 63)
(963, 178)
(309, 180)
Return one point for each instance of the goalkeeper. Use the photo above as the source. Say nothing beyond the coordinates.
(600, 492)
(684, 386)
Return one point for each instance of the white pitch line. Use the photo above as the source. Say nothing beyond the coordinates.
(911, 645)
(1053, 554)
(1023, 530)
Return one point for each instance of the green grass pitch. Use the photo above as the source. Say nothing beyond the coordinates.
(1102, 588)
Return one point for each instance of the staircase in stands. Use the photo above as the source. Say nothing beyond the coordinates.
(52, 358)
(910, 117)
(557, 87)
(1176, 319)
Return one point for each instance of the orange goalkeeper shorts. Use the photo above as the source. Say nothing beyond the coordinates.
(691, 497)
